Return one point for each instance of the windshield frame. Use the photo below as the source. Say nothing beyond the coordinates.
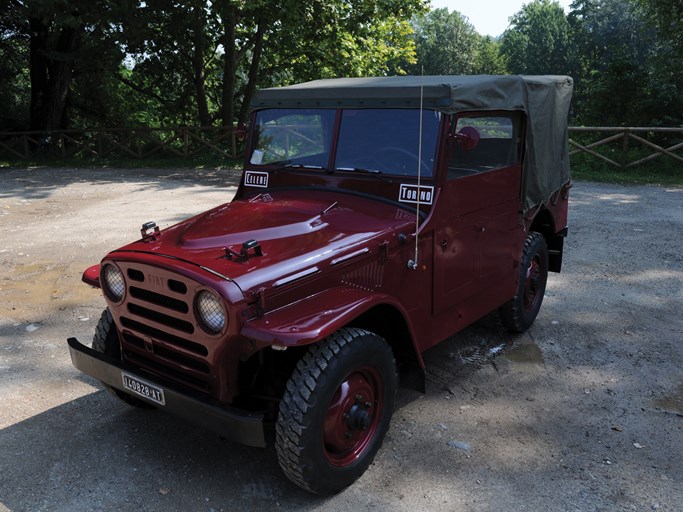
(355, 161)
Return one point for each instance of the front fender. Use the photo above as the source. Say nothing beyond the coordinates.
(314, 318)
(91, 276)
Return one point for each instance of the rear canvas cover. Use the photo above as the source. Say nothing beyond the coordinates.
(544, 99)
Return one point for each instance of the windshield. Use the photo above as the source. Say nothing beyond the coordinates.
(378, 141)
(387, 141)
(293, 136)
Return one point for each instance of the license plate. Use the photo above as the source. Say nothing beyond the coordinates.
(144, 389)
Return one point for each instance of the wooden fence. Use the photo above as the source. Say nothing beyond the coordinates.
(624, 138)
(185, 142)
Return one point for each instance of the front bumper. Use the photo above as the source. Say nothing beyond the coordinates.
(233, 424)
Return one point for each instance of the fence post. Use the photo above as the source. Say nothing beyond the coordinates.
(186, 143)
(233, 133)
(624, 149)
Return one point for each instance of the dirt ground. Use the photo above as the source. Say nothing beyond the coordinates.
(583, 412)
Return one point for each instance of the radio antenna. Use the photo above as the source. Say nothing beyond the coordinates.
(412, 264)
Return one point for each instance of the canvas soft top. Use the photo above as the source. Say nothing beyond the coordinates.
(545, 99)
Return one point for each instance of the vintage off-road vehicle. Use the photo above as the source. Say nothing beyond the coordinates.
(375, 218)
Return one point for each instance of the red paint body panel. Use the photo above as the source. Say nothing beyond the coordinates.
(293, 234)
(91, 276)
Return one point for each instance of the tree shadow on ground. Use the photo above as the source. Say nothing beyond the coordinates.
(40, 183)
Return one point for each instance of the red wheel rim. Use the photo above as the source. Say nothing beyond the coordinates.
(353, 416)
(532, 285)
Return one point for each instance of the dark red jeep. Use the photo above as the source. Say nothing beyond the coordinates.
(375, 218)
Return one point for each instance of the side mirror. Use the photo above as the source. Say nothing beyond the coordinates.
(468, 138)
(241, 132)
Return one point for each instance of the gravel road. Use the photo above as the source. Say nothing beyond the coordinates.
(583, 412)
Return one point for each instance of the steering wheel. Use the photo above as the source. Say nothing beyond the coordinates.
(393, 158)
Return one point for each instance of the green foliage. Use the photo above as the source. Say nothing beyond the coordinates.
(14, 75)
(335, 38)
(448, 44)
(488, 59)
(627, 72)
(171, 62)
(663, 171)
(537, 41)
(89, 63)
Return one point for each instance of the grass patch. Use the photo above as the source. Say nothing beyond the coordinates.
(207, 161)
(662, 171)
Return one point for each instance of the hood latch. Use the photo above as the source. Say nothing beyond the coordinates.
(150, 231)
(243, 255)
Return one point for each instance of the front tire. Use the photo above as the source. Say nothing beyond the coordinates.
(336, 410)
(106, 341)
(520, 312)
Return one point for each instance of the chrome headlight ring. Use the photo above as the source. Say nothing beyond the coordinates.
(113, 283)
(210, 312)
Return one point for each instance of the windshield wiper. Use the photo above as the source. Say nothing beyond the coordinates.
(359, 169)
(290, 165)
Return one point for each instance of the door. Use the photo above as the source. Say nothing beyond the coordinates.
(479, 213)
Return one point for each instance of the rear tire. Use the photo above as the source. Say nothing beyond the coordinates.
(336, 410)
(106, 341)
(520, 312)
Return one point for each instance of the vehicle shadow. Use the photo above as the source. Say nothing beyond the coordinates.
(96, 453)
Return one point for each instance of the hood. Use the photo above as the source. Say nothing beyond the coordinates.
(296, 231)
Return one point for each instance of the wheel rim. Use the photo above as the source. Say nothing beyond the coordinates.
(353, 416)
(533, 284)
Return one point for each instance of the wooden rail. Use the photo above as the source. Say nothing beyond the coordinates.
(624, 136)
(183, 142)
(186, 141)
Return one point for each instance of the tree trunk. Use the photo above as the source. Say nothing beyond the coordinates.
(51, 73)
(253, 70)
(198, 65)
(38, 72)
(229, 66)
(61, 72)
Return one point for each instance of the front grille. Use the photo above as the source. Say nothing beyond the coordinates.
(160, 318)
(170, 355)
(164, 336)
(158, 327)
(159, 300)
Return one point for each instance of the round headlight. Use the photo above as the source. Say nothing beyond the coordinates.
(210, 312)
(113, 284)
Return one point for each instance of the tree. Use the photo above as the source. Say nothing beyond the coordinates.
(446, 43)
(626, 72)
(157, 62)
(489, 59)
(15, 85)
(666, 16)
(228, 49)
(537, 40)
(62, 39)
(296, 41)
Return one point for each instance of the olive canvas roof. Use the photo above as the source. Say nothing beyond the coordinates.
(545, 100)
